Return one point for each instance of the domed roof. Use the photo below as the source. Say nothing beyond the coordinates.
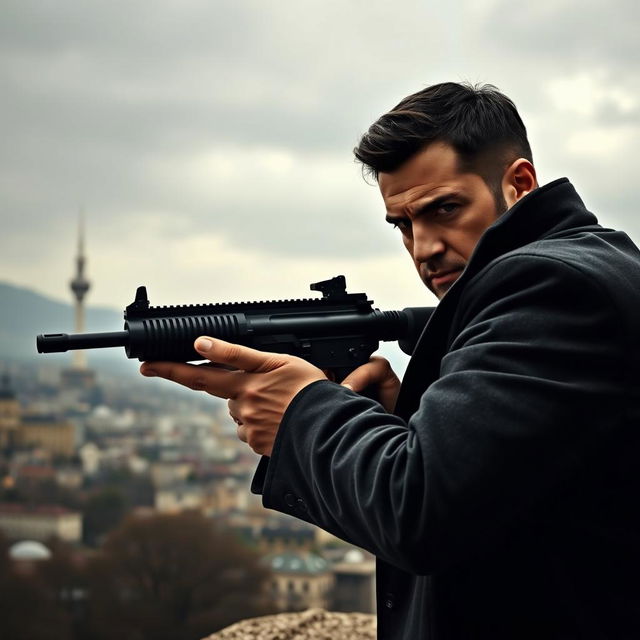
(102, 411)
(29, 550)
(353, 556)
(291, 562)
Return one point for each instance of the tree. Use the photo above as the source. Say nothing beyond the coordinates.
(172, 577)
(63, 577)
(103, 511)
(28, 608)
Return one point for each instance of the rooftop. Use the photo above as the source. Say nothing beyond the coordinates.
(36, 471)
(41, 418)
(40, 510)
(291, 562)
(29, 550)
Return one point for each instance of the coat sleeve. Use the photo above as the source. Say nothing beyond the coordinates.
(529, 389)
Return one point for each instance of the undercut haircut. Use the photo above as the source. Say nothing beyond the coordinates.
(480, 123)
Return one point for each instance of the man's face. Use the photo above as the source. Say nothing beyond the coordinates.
(440, 212)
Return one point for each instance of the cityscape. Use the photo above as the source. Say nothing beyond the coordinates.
(94, 460)
(208, 149)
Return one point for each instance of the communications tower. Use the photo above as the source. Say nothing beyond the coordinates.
(78, 381)
(79, 286)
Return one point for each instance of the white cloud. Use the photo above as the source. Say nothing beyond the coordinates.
(210, 142)
(603, 144)
(586, 93)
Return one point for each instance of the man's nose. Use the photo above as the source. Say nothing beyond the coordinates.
(427, 245)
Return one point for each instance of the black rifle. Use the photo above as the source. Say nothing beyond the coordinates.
(337, 332)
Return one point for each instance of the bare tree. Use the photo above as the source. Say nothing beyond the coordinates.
(28, 607)
(172, 577)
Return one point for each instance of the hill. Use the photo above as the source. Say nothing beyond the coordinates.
(25, 314)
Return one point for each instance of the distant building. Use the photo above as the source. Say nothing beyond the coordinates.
(300, 581)
(80, 380)
(355, 585)
(280, 532)
(18, 521)
(287, 535)
(180, 498)
(228, 495)
(10, 414)
(167, 474)
(215, 498)
(55, 435)
(90, 457)
(46, 431)
(70, 477)
(30, 475)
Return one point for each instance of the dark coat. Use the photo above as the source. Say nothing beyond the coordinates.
(502, 498)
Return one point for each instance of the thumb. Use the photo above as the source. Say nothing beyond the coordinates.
(377, 372)
(360, 378)
(237, 356)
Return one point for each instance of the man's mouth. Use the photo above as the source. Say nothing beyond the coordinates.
(439, 279)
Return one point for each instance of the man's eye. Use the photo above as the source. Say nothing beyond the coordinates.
(447, 208)
(400, 224)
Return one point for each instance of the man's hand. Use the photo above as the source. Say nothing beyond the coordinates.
(258, 385)
(377, 372)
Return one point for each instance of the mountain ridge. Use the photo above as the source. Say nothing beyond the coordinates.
(25, 313)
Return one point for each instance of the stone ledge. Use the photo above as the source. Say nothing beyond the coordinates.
(313, 624)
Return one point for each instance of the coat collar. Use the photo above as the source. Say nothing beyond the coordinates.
(545, 212)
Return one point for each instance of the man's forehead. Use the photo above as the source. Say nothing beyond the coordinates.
(433, 166)
(430, 177)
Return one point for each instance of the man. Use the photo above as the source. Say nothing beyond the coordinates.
(498, 490)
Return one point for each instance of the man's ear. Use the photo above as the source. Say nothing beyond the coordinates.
(518, 180)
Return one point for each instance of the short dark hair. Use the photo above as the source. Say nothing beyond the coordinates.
(480, 123)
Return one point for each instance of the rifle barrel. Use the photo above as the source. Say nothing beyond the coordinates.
(59, 342)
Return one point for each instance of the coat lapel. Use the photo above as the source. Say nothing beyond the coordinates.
(424, 367)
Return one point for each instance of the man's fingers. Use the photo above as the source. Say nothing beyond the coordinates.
(215, 365)
(378, 373)
(237, 356)
(375, 371)
(175, 371)
(241, 432)
(217, 382)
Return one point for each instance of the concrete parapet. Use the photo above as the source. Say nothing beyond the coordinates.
(313, 624)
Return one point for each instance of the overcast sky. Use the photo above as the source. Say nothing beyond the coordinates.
(209, 142)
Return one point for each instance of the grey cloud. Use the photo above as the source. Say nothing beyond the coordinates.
(96, 93)
(569, 33)
(123, 30)
(609, 113)
(300, 74)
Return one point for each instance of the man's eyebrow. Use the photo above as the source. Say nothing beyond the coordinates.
(423, 208)
(433, 204)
